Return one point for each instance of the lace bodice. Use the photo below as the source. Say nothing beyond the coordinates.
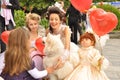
(61, 32)
(89, 56)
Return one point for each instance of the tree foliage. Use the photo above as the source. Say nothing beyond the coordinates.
(40, 4)
(105, 0)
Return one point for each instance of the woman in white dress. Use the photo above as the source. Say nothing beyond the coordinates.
(70, 49)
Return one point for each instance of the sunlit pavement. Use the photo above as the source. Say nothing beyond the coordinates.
(112, 52)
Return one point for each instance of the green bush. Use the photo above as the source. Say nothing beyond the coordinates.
(44, 22)
(19, 18)
(110, 8)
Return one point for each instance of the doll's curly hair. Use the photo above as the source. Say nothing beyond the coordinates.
(88, 35)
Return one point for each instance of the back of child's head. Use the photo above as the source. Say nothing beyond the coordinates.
(17, 53)
(18, 38)
(88, 36)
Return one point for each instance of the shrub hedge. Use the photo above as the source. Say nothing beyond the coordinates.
(20, 16)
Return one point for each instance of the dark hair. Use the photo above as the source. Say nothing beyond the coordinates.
(53, 10)
(88, 36)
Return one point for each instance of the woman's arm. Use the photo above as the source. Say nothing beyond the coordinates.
(67, 38)
(65, 56)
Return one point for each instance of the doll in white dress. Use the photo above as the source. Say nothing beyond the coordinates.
(91, 64)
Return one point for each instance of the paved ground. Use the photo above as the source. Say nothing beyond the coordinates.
(112, 52)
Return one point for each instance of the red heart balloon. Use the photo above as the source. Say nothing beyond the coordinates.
(81, 5)
(102, 22)
(4, 36)
(39, 44)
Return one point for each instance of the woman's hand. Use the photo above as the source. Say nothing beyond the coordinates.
(50, 69)
(3, 6)
(61, 60)
(59, 64)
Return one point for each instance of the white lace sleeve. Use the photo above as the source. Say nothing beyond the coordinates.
(95, 56)
(105, 64)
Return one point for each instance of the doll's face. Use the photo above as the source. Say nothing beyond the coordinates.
(33, 25)
(86, 42)
(54, 21)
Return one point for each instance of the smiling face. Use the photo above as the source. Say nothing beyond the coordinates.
(32, 22)
(33, 25)
(54, 21)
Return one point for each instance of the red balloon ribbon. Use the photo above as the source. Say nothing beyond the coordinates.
(102, 22)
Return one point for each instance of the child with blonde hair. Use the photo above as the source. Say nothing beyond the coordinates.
(32, 21)
(18, 63)
(36, 31)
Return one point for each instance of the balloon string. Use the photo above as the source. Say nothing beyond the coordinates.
(100, 46)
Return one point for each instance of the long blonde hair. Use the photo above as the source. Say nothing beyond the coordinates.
(17, 56)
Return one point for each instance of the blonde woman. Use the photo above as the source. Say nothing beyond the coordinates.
(32, 23)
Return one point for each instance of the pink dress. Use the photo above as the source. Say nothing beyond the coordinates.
(89, 68)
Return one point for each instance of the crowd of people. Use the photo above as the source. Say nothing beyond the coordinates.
(21, 59)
